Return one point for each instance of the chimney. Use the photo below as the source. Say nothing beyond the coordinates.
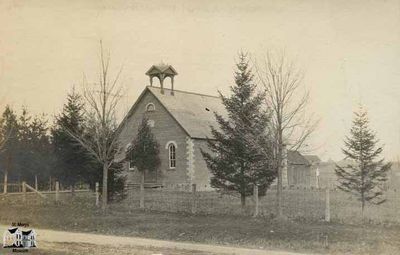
(162, 71)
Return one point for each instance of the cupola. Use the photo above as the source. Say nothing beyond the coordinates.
(162, 71)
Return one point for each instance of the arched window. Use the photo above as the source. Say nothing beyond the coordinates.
(150, 107)
(171, 146)
(128, 148)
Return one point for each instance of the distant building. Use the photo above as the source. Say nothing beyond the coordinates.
(313, 159)
(315, 162)
(394, 177)
(328, 177)
(299, 171)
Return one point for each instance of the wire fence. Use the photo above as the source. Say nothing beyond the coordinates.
(298, 203)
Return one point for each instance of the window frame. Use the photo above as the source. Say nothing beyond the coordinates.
(171, 147)
(150, 105)
(130, 167)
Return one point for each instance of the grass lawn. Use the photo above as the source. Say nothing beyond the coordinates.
(242, 231)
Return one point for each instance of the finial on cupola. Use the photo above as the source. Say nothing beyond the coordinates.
(162, 71)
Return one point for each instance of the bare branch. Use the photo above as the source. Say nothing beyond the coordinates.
(284, 96)
(101, 100)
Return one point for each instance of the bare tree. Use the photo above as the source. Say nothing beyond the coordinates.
(287, 99)
(101, 100)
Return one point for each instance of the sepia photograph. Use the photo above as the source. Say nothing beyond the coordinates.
(200, 127)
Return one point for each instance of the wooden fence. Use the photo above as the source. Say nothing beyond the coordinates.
(25, 193)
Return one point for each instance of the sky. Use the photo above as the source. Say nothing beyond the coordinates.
(348, 50)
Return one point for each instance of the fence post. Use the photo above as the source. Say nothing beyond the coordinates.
(24, 191)
(57, 191)
(327, 206)
(50, 183)
(97, 194)
(141, 203)
(193, 198)
(5, 182)
(255, 194)
(36, 182)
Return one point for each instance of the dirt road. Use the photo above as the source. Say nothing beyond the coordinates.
(53, 236)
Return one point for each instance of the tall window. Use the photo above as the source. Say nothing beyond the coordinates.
(131, 165)
(172, 155)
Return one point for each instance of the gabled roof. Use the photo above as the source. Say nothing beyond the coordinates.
(295, 158)
(193, 111)
(161, 68)
(312, 158)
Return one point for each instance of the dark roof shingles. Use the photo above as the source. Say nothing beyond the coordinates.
(194, 112)
(295, 158)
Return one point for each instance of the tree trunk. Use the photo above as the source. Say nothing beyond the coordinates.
(279, 191)
(36, 183)
(141, 202)
(243, 200)
(362, 207)
(5, 181)
(104, 195)
(362, 187)
(279, 160)
(7, 170)
(73, 190)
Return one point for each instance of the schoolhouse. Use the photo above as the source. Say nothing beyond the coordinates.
(180, 121)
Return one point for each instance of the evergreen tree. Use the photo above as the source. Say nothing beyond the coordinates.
(41, 150)
(144, 150)
(364, 177)
(9, 129)
(116, 182)
(240, 155)
(27, 151)
(24, 153)
(71, 159)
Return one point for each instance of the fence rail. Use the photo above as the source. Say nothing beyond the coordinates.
(27, 194)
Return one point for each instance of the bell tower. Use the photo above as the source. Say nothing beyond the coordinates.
(162, 71)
